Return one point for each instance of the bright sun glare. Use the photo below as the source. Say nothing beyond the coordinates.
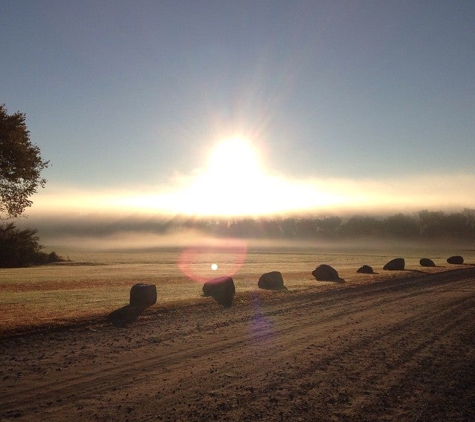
(229, 182)
(232, 182)
(233, 153)
(233, 164)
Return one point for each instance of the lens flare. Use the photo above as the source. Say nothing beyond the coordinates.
(230, 253)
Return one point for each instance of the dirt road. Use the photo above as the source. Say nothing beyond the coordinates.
(398, 350)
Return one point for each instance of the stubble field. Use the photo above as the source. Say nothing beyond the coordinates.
(392, 346)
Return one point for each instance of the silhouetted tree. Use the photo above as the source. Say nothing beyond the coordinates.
(328, 227)
(270, 228)
(401, 226)
(431, 223)
(20, 175)
(470, 215)
(456, 225)
(20, 164)
(288, 227)
(306, 227)
(21, 248)
(361, 226)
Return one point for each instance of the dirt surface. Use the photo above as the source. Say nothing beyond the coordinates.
(397, 350)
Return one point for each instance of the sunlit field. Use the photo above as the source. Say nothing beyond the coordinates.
(93, 284)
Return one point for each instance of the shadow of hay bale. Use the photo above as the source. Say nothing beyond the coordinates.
(124, 316)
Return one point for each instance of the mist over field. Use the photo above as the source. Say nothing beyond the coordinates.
(99, 231)
(192, 209)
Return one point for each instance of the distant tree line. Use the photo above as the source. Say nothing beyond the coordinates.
(20, 248)
(422, 225)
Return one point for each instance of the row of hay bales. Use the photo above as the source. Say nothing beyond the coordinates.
(398, 264)
(222, 289)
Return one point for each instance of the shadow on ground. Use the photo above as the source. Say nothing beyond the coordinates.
(126, 315)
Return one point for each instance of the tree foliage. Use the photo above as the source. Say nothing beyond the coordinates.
(21, 248)
(20, 164)
(424, 225)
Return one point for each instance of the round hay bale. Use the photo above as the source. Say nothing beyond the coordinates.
(221, 289)
(456, 259)
(325, 272)
(426, 262)
(143, 295)
(396, 264)
(365, 269)
(271, 281)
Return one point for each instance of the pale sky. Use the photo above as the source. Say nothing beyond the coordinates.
(337, 104)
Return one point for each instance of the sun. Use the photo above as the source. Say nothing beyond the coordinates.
(233, 181)
(235, 150)
(233, 164)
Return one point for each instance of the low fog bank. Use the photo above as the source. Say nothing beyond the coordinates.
(107, 232)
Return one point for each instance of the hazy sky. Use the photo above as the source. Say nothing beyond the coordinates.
(356, 104)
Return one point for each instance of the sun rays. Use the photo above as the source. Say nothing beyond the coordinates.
(235, 182)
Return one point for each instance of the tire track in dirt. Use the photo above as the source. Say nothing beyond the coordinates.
(338, 356)
(355, 350)
(341, 354)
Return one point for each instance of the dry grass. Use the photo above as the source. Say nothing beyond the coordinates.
(93, 285)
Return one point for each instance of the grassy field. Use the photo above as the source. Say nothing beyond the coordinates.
(92, 284)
